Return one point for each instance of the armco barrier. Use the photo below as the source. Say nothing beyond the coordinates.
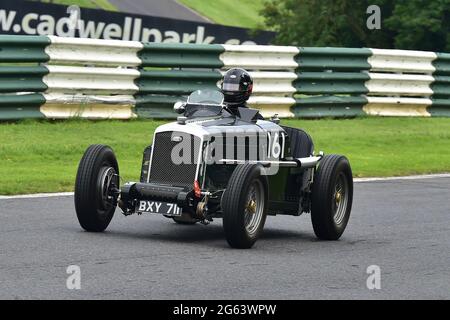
(51, 77)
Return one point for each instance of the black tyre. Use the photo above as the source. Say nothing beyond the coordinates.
(332, 196)
(244, 206)
(97, 178)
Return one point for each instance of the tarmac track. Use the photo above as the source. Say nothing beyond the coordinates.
(159, 8)
(402, 226)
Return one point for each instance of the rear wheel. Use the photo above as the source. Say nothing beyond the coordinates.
(244, 206)
(332, 196)
(95, 188)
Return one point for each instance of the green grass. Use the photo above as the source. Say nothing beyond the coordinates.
(96, 4)
(43, 156)
(381, 147)
(238, 13)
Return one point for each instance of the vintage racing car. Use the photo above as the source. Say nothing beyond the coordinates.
(214, 162)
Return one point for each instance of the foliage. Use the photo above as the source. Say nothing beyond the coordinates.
(406, 24)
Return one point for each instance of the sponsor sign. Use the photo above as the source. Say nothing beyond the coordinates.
(35, 18)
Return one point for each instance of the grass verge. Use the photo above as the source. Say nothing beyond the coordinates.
(42, 156)
(95, 4)
(238, 13)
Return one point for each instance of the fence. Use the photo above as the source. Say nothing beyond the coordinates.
(51, 77)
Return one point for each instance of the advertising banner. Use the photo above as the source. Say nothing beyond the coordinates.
(35, 18)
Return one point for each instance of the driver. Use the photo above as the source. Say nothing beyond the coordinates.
(237, 86)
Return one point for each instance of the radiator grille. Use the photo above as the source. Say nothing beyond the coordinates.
(164, 170)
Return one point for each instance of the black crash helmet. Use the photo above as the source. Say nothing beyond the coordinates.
(237, 86)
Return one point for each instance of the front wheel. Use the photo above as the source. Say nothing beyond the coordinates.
(96, 188)
(332, 196)
(244, 206)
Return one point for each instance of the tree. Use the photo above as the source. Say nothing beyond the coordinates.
(406, 24)
(421, 25)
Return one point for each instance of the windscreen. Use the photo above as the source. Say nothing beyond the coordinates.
(208, 97)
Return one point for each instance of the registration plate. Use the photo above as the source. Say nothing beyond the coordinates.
(170, 209)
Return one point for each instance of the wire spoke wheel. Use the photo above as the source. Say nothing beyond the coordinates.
(332, 197)
(254, 208)
(96, 188)
(244, 206)
(340, 199)
(108, 181)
